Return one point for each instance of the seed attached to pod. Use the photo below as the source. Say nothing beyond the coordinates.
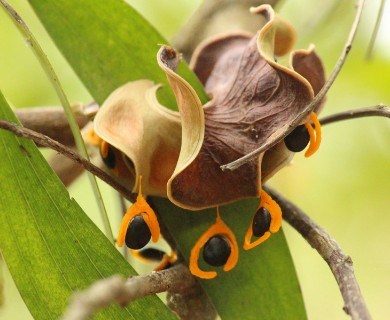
(298, 139)
(138, 233)
(216, 251)
(261, 222)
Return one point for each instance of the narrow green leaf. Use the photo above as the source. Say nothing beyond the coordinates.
(114, 46)
(51, 74)
(50, 246)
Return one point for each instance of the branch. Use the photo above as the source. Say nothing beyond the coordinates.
(50, 143)
(310, 107)
(102, 293)
(339, 263)
(374, 111)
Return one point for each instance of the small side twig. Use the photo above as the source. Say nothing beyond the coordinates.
(374, 111)
(116, 289)
(339, 263)
(310, 107)
(50, 143)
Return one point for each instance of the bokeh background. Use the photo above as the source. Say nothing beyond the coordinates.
(345, 187)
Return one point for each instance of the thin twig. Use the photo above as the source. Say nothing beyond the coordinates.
(310, 107)
(116, 289)
(50, 143)
(376, 29)
(339, 263)
(374, 111)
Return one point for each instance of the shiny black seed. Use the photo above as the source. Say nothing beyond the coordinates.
(110, 160)
(298, 139)
(261, 222)
(138, 233)
(216, 251)
(152, 254)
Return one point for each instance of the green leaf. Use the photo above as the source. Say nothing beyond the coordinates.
(114, 46)
(49, 244)
(108, 44)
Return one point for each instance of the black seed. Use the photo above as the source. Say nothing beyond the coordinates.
(110, 160)
(261, 222)
(152, 254)
(298, 139)
(138, 233)
(216, 251)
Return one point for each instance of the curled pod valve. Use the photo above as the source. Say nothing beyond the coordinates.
(139, 224)
(219, 249)
(267, 220)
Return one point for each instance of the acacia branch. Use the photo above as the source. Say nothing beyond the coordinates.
(52, 144)
(339, 263)
(310, 107)
(116, 289)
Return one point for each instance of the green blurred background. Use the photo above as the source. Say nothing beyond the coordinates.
(344, 187)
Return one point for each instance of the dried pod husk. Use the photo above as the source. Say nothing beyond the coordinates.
(147, 133)
(253, 98)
